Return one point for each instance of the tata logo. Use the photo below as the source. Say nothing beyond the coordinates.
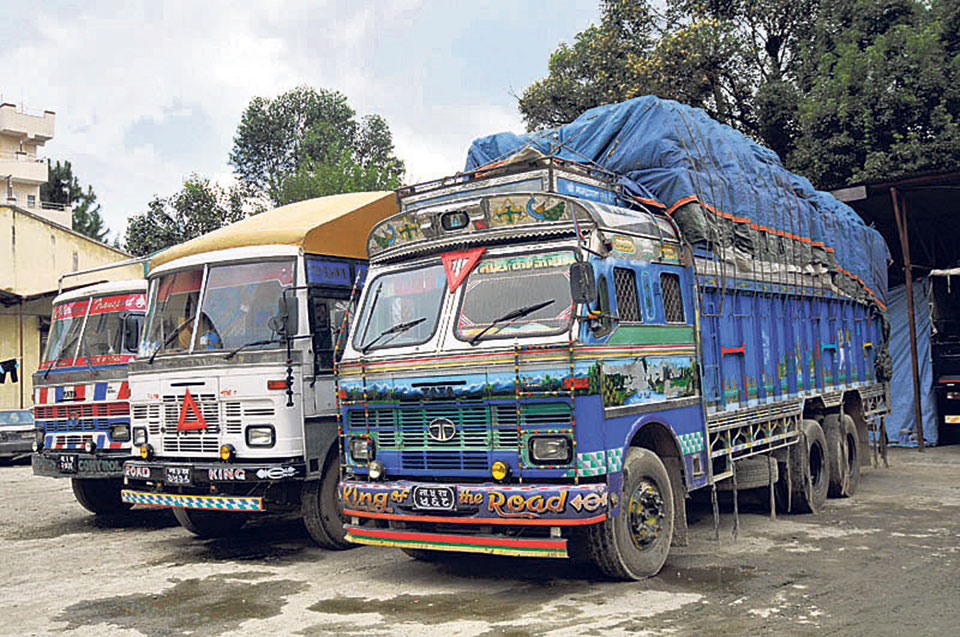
(441, 430)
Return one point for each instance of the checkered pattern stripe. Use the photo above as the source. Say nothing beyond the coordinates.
(210, 503)
(597, 463)
(691, 443)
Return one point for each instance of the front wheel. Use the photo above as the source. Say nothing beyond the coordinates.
(99, 496)
(209, 524)
(634, 544)
(322, 511)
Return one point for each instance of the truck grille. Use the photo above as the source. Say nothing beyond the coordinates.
(79, 417)
(195, 441)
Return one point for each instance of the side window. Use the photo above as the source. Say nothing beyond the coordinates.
(326, 319)
(672, 298)
(625, 287)
(603, 302)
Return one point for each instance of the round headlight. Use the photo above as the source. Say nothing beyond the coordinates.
(499, 470)
(145, 452)
(89, 446)
(376, 469)
(227, 452)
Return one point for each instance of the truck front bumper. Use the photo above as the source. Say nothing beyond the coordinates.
(477, 504)
(54, 463)
(462, 543)
(215, 486)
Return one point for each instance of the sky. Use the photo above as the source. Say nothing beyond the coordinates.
(146, 93)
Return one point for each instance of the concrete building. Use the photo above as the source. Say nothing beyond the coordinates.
(37, 246)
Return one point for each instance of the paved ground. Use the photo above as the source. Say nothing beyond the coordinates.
(885, 562)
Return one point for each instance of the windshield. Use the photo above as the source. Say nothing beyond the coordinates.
(103, 338)
(239, 302)
(172, 307)
(22, 417)
(64, 334)
(499, 286)
(397, 299)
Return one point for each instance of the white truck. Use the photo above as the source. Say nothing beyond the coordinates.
(233, 403)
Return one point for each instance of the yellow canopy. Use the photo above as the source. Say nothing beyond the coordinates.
(337, 226)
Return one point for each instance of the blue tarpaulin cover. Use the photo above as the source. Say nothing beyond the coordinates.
(702, 172)
(900, 424)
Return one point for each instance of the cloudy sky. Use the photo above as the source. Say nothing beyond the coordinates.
(146, 93)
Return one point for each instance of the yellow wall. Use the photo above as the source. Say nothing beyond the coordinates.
(33, 255)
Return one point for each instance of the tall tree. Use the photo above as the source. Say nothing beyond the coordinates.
(843, 90)
(199, 207)
(307, 142)
(64, 188)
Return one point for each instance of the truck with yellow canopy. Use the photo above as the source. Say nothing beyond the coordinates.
(232, 393)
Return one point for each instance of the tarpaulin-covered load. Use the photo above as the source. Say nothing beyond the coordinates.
(728, 194)
(901, 424)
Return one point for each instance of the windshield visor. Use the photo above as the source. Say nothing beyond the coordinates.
(64, 334)
(239, 302)
(498, 286)
(173, 306)
(406, 298)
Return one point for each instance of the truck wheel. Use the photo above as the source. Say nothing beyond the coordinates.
(635, 543)
(853, 457)
(809, 470)
(321, 509)
(99, 496)
(836, 454)
(209, 524)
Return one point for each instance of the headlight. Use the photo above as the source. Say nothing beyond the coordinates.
(260, 436)
(377, 470)
(550, 450)
(120, 433)
(89, 446)
(139, 436)
(361, 449)
(38, 436)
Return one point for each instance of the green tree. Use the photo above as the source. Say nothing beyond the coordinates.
(843, 90)
(307, 143)
(64, 188)
(199, 207)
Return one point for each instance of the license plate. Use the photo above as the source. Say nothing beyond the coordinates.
(177, 475)
(434, 498)
(67, 464)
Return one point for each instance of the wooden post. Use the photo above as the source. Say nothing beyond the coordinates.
(900, 214)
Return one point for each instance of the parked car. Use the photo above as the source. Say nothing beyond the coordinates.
(16, 433)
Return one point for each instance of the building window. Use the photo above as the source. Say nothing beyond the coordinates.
(672, 298)
(31, 201)
(76, 262)
(625, 288)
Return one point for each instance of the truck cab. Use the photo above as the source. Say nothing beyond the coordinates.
(81, 392)
(232, 395)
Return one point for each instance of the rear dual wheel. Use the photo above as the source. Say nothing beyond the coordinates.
(635, 542)
(843, 455)
(803, 487)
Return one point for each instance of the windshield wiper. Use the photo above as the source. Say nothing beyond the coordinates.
(171, 337)
(62, 350)
(83, 348)
(396, 330)
(512, 316)
(234, 351)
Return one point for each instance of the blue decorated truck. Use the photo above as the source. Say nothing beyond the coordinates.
(549, 356)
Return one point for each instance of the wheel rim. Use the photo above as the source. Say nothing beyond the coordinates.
(815, 460)
(645, 514)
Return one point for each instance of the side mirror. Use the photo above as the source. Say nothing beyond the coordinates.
(131, 332)
(583, 285)
(287, 315)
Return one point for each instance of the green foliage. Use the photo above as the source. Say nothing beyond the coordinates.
(308, 143)
(843, 90)
(64, 188)
(199, 207)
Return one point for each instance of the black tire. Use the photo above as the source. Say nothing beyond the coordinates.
(809, 470)
(321, 509)
(853, 457)
(101, 496)
(209, 524)
(629, 546)
(836, 454)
